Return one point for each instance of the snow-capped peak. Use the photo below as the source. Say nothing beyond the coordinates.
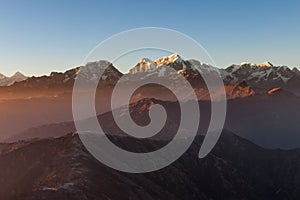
(166, 60)
(264, 64)
(6, 81)
(265, 74)
(245, 63)
(91, 71)
(145, 65)
(2, 77)
(146, 60)
(18, 75)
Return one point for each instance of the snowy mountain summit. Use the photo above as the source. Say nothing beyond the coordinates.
(147, 65)
(264, 75)
(264, 64)
(264, 72)
(7, 81)
(174, 61)
(166, 60)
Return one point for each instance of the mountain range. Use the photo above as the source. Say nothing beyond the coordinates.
(256, 157)
(264, 75)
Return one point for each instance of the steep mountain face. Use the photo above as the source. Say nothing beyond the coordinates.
(263, 75)
(257, 76)
(62, 168)
(7, 81)
(109, 76)
(147, 68)
(239, 90)
(192, 70)
(145, 65)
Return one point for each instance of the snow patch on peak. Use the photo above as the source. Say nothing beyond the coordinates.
(7, 81)
(166, 60)
(264, 64)
(145, 65)
(146, 60)
(18, 75)
(245, 63)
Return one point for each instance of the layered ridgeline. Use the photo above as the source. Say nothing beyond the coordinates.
(263, 104)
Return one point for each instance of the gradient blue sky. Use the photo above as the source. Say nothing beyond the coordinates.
(37, 37)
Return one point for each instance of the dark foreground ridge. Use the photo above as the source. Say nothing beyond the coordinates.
(61, 168)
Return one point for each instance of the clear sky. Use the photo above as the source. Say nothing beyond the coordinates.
(40, 36)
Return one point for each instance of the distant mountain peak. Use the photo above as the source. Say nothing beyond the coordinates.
(7, 81)
(99, 63)
(296, 70)
(166, 60)
(146, 60)
(18, 75)
(264, 75)
(245, 63)
(144, 65)
(90, 72)
(2, 77)
(147, 65)
(264, 64)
